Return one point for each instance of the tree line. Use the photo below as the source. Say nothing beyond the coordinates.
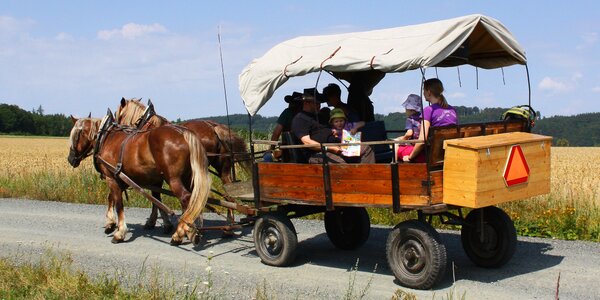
(578, 130)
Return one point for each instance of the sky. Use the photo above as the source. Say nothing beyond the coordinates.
(81, 57)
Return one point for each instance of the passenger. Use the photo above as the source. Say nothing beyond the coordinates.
(338, 123)
(284, 123)
(333, 95)
(310, 132)
(439, 113)
(413, 108)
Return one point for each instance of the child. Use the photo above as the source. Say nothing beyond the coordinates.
(338, 122)
(413, 108)
(412, 105)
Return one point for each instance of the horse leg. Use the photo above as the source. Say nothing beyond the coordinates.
(167, 225)
(151, 221)
(116, 193)
(111, 224)
(183, 227)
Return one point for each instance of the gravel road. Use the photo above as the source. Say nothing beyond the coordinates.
(29, 227)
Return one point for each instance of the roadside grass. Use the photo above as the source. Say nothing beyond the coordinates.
(36, 168)
(53, 276)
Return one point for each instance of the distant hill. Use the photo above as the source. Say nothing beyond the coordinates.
(578, 130)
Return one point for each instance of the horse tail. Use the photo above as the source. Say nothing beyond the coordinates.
(200, 178)
(234, 143)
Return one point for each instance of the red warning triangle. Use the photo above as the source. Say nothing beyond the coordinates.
(516, 170)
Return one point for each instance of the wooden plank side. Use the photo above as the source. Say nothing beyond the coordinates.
(437, 190)
(360, 171)
(315, 170)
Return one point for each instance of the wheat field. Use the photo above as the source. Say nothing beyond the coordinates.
(37, 168)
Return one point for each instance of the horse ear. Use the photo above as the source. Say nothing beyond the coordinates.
(90, 115)
(123, 102)
(150, 102)
(73, 119)
(139, 100)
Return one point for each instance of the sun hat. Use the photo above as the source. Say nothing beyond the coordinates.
(292, 97)
(413, 102)
(309, 95)
(337, 113)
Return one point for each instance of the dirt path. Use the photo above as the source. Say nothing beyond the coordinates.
(27, 228)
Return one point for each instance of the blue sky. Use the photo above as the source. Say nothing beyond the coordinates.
(76, 57)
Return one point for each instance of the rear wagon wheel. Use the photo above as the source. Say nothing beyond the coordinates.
(496, 246)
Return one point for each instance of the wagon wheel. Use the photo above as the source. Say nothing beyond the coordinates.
(496, 245)
(347, 227)
(275, 240)
(416, 255)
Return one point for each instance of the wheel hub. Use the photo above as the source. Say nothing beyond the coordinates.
(412, 256)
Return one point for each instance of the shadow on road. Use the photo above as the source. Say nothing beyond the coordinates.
(529, 257)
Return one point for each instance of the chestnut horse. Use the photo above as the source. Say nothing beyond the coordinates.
(218, 140)
(149, 157)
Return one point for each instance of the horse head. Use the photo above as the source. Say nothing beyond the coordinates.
(131, 112)
(82, 137)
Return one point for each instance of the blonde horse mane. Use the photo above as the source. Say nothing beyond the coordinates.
(80, 125)
(133, 111)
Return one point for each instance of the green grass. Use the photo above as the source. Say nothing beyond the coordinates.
(54, 277)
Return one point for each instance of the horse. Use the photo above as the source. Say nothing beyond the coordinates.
(149, 157)
(218, 140)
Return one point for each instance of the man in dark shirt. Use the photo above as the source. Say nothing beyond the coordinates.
(309, 131)
(333, 95)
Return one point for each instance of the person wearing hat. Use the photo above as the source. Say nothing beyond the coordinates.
(333, 95)
(339, 123)
(413, 107)
(307, 129)
(284, 122)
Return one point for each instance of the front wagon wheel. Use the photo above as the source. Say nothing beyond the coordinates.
(275, 240)
(416, 255)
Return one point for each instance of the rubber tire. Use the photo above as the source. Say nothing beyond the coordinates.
(500, 237)
(415, 254)
(275, 240)
(347, 227)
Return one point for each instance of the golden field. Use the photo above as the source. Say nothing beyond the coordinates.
(37, 168)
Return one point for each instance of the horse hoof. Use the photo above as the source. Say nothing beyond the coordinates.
(115, 241)
(175, 243)
(148, 226)
(196, 239)
(110, 229)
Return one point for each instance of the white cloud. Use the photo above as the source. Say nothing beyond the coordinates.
(131, 31)
(553, 85)
(11, 25)
(589, 39)
(63, 36)
(457, 95)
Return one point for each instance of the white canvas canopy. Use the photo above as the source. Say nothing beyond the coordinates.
(476, 40)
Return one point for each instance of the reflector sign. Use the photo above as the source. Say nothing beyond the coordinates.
(516, 170)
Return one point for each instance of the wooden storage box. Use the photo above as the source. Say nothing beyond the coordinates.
(479, 172)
